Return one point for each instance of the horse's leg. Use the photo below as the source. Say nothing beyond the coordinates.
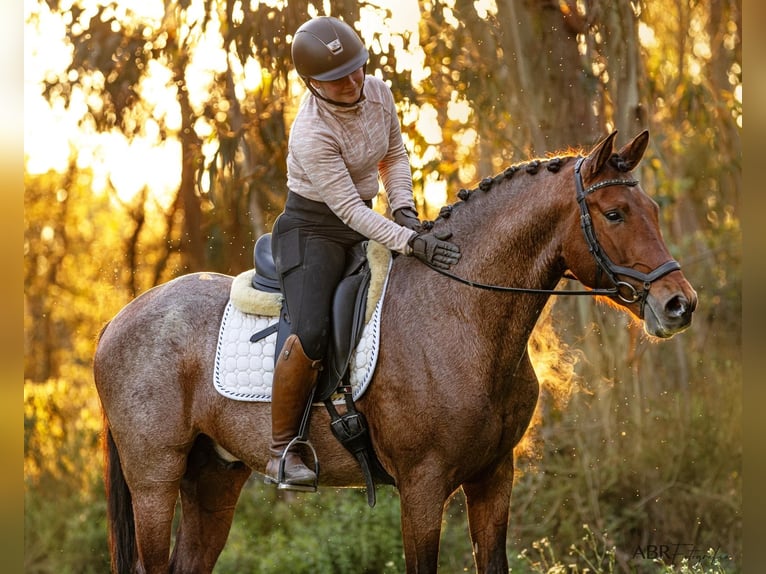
(154, 501)
(488, 501)
(153, 471)
(209, 492)
(488, 496)
(153, 459)
(422, 506)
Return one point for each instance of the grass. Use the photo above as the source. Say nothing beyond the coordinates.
(595, 554)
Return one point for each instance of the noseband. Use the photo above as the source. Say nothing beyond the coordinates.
(605, 265)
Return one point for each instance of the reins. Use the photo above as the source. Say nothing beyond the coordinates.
(503, 288)
(605, 265)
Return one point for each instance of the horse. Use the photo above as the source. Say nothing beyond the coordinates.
(453, 391)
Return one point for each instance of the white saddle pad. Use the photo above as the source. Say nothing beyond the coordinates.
(244, 370)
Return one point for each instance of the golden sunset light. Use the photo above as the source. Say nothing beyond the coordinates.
(540, 356)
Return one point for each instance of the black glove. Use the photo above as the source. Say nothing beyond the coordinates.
(408, 217)
(434, 249)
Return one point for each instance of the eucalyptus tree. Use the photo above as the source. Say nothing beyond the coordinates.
(232, 133)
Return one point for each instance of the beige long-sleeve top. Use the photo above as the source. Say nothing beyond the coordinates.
(335, 155)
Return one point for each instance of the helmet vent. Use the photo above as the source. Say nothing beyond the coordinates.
(335, 46)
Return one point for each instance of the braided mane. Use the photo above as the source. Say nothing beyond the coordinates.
(531, 167)
(552, 163)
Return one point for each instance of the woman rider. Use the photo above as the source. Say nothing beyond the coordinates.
(345, 136)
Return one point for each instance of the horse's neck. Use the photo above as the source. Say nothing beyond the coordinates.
(509, 236)
(513, 235)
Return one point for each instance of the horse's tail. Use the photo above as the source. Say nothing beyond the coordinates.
(122, 528)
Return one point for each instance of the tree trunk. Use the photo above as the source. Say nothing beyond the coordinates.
(191, 241)
(553, 84)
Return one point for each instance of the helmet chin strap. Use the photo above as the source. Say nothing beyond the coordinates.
(322, 97)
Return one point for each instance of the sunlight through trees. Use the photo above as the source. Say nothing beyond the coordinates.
(155, 145)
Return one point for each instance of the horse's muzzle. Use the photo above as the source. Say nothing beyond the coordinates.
(666, 317)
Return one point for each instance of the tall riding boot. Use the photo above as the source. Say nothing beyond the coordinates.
(295, 375)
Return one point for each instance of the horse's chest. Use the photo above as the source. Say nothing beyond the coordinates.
(472, 431)
(500, 422)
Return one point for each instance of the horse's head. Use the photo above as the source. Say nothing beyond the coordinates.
(621, 228)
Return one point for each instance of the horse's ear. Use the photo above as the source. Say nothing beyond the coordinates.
(600, 154)
(632, 152)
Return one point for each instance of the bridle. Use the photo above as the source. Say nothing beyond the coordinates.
(605, 265)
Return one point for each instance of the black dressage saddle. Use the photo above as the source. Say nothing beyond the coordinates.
(347, 315)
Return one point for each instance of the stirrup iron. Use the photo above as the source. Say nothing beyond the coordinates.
(281, 483)
(302, 438)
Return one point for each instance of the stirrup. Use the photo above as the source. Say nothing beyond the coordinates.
(284, 485)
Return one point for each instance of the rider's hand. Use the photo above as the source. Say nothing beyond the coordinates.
(408, 217)
(434, 249)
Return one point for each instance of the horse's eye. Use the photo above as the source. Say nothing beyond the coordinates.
(614, 216)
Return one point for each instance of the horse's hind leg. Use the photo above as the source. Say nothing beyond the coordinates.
(153, 508)
(488, 501)
(209, 492)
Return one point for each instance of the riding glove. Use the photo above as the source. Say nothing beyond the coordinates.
(408, 217)
(434, 249)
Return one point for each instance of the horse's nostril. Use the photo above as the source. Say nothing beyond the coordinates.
(677, 306)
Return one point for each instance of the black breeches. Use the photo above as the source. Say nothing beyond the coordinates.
(310, 246)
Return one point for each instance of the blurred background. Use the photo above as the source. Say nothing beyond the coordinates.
(155, 144)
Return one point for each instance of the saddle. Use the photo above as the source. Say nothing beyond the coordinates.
(347, 323)
(347, 314)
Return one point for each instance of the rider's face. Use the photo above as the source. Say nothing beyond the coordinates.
(346, 89)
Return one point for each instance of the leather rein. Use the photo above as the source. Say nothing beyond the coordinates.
(605, 264)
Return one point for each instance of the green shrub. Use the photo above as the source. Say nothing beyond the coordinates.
(64, 503)
(332, 531)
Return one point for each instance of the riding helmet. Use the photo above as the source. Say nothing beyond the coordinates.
(327, 49)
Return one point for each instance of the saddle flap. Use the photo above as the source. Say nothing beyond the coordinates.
(348, 314)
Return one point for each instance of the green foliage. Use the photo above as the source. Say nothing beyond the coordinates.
(64, 503)
(649, 464)
(593, 553)
(333, 531)
(65, 531)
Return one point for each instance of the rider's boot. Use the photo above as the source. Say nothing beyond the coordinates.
(295, 375)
